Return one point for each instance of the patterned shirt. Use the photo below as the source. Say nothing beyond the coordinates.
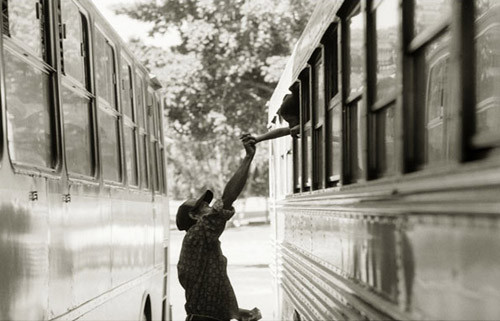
(202, 268)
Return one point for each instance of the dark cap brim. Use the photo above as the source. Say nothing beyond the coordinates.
(207, 196)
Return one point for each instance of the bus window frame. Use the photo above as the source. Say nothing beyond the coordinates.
(47, 64)
(127, 122)
(333, 92)
(414, 123)
(142, 129)
(350, 100)
(377, 106)
(84, 89)
(306, 125)
(297, 143)
(105, 106)
(318, 124)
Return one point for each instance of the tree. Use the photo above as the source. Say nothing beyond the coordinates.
(218, 80)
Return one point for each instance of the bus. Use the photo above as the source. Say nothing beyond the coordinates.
(387, 205)
(83, 203)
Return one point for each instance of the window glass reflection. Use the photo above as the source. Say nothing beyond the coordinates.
(356, 53)
(28, 115)
(126, 89)
(487, 67)
(143, 161)
(355, 141)
(429, 13)
(385, 141)
(110, 151)
(105, 70)
(319, 91)
(77, 133)
(24, 25)
(130, 155)
(387, 48)
(140, 102)
(74, 60)
(436, 100)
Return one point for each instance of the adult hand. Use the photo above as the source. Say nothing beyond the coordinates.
(249, 144)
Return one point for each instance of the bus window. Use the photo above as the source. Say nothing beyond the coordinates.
(108, 109)
(110, 151)
(143, 157)
(428, 14)
(79, 139)
(432, 139)
(74, 42)
(318, 94)
(386, 41)
(333, 119)
(29, 121)
(139, 98)
(152, 165)
(26, 24)
(353, 62)
(487, 70)
(126, 88)
(306, 135)
(78, 133)
(131, 155)
(105, 70)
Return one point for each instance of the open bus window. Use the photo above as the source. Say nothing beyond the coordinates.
(26, 24)
(78, 133)
(29, 122)
(487, 70)
(74, 42)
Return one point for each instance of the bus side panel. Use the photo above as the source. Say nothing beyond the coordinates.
(132, 234)
(402, 265)
(80, 256)
(23, 247)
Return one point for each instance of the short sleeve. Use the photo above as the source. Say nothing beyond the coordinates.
(219, 208)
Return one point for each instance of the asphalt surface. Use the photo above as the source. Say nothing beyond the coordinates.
(248, 251)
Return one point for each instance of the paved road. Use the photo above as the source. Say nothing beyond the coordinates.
(248, 250)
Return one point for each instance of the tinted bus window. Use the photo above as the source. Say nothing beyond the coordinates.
(28, 112)
(110, 151)
(356, 53)
(143, 157)
(487, 68)
(386, 21)
(354, 62)
(74, 44)
(27, 24)
(105, 70)
(139, 94)
(130, 155)
(78, 133)
(126, 89)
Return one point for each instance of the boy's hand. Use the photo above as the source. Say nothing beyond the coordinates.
(249, 315)
(249, 144)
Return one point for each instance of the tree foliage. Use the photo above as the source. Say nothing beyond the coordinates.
(218, 80)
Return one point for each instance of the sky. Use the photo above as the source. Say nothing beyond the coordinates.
(128, 28)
